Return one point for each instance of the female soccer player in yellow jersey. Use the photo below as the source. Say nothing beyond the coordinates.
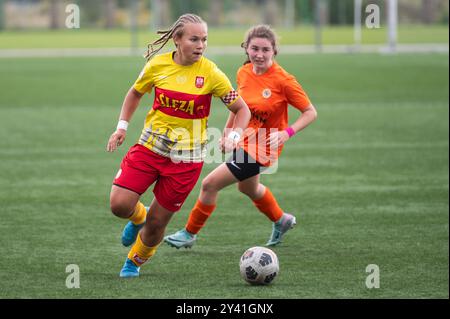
(171, 148)
(267, 89)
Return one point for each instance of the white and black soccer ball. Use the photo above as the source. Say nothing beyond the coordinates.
(259, 266)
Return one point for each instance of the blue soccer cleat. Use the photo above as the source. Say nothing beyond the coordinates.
(181, 238)
(129, 269)
(286, 222)
(130, 232)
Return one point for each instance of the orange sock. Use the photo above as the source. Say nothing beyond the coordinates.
(198, 216)
(268, 206)
(140, 253)
(139, 214)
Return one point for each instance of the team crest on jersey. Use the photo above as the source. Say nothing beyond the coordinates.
(266, 93)
(199, 81)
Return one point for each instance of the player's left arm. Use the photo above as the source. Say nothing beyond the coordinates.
(241, 114)
(226, 130)
(237, 122)
(297, 97)
(309, 115)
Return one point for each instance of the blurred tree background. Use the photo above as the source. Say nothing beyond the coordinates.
(31, 14)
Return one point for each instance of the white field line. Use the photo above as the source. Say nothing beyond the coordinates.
(228, 50)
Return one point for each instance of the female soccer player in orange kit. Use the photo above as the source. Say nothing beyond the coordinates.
(267, 89)
(171, 148)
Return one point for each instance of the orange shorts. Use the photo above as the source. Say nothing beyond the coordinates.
(141, 167)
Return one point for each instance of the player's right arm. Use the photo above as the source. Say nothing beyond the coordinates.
(129, 106)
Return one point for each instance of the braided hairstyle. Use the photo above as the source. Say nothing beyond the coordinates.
(260, 31)
(175, 30)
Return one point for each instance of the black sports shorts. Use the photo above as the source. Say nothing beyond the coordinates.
(243, 166)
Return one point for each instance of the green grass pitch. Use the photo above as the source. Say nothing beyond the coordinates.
(368, 183)
(305, 34)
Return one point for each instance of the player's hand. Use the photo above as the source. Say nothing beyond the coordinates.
(227, 144)
(278, 138)
(116, 140)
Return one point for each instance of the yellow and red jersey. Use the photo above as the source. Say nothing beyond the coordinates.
(268, 96)
(176, 124)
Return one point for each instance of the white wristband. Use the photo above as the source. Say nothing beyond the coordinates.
(235, 136)
(122, 125)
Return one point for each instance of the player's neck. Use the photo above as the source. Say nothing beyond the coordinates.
(261, 70)
(178, 59)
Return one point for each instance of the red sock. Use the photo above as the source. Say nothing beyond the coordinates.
(198, 216)
(268, 206)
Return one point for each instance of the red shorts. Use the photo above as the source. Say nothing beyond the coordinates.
(141, 167)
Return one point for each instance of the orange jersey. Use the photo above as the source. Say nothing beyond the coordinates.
(268, 96)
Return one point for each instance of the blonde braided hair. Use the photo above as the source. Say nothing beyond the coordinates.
(175, 30)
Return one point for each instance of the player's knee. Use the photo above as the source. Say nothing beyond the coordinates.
(120, 209)
(208, 185)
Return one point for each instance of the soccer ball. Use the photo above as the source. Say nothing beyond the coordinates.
(259, 266)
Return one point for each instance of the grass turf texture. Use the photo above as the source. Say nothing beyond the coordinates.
(368, 183)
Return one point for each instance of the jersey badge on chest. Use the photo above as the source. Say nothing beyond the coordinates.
(266, 93)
